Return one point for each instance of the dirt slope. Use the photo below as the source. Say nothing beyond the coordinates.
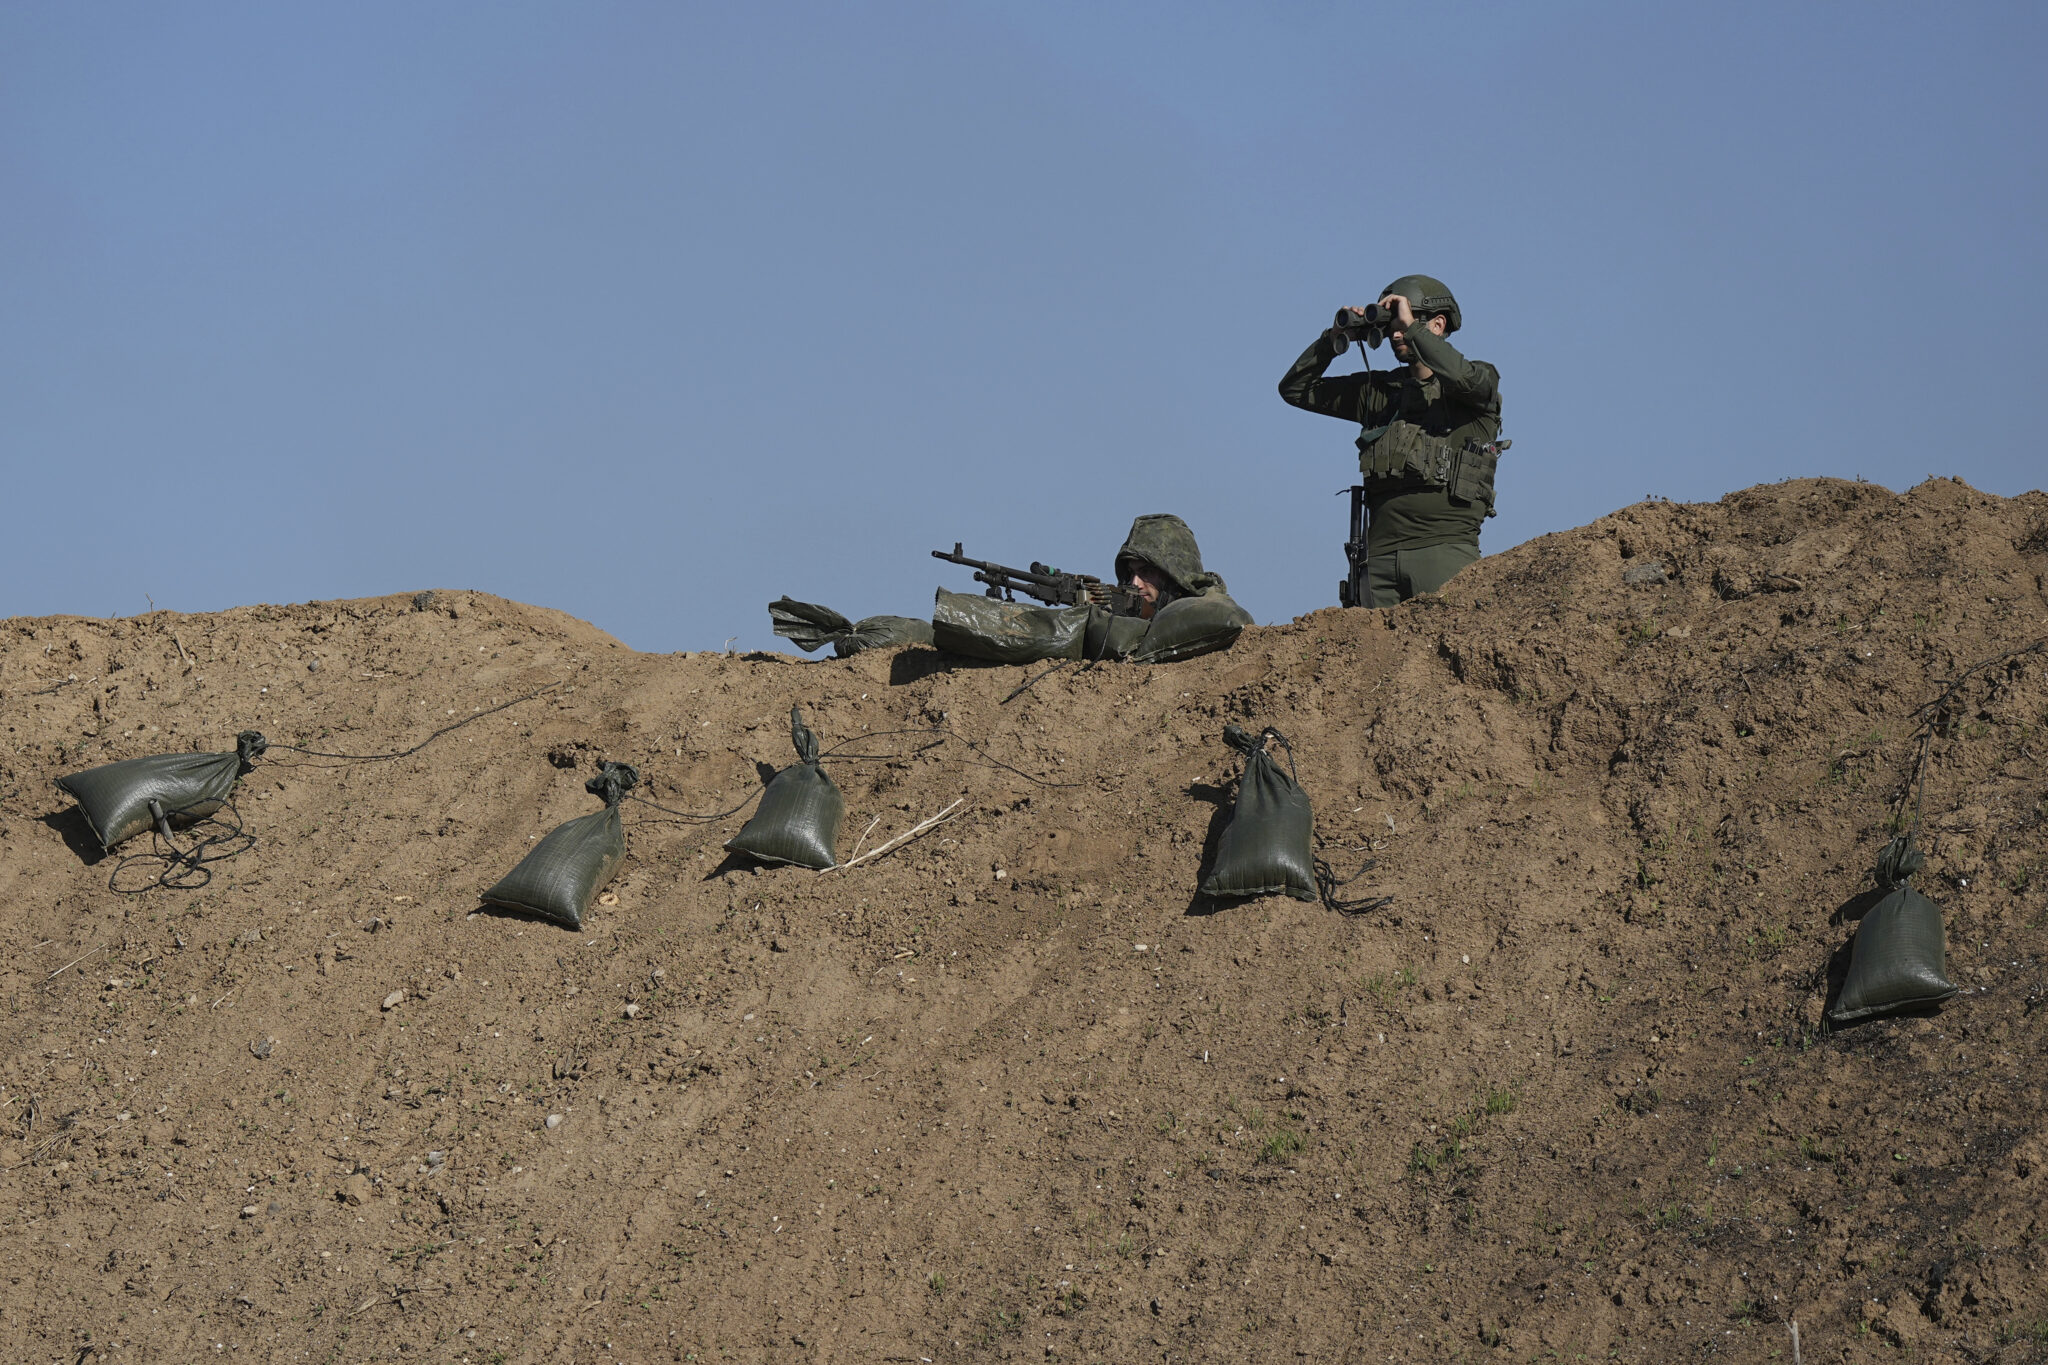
(1014, 1091)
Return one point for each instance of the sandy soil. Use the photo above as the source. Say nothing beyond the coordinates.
(1014, 1091)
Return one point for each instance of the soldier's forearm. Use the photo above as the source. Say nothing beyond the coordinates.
(1298, 385)
(1459, 376)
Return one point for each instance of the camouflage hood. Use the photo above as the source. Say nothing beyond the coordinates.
(1164, 541)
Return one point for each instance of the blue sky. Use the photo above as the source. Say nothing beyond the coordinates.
(654, 312)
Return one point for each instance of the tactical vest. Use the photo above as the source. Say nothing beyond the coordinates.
(1404, 453)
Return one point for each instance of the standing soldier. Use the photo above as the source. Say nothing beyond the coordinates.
(1429, 444)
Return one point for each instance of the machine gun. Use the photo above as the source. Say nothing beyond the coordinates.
(1047, 584)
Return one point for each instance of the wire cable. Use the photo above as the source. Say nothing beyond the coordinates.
(187, 869)
(408, 753)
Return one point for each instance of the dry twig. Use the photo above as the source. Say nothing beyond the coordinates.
(900, 839)
(72, 963)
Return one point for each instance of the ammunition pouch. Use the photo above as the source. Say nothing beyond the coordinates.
(1404, 453)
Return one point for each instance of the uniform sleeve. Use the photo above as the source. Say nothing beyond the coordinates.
(1349, 396)
(1472, 382)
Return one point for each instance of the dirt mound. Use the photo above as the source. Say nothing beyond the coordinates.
(1013, 1091)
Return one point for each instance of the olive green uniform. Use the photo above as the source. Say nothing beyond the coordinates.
(1426, 500)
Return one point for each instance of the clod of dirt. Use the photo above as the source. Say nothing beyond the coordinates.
(356, 1190)
(1644, 575)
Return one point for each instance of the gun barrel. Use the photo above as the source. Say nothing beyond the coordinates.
(1037, 574)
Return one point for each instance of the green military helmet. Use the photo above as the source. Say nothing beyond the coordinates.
(1426, 296)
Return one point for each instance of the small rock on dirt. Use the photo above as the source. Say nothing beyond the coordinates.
(1647, 574)
(394, 1000)
(263, 1047)
(554, 1121)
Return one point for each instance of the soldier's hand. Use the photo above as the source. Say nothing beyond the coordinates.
(1404, 316)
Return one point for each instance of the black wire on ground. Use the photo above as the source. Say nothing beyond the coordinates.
(694, 818)
(1931, 715)
(1021, 688)
(1900, 858)
(988, 757)
(1327, 884)
(187, 869)
(943, 734)
(408, 753)
(837, 750)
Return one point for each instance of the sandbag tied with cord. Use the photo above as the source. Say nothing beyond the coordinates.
(1899, 960)
(1268, 847)
(161, 791)
(801, 810)
(571, 865)
(811, 627)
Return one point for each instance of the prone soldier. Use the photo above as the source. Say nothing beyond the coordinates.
(1164, 606)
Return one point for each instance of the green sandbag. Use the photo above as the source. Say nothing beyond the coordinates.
(115, 797)
(1900, 959)
(800, 813)
(1268, 847)
(1190, 626)
(1006, 632)
(571, 865)
(1112, 637)
(811, 627)
(1182, 629)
